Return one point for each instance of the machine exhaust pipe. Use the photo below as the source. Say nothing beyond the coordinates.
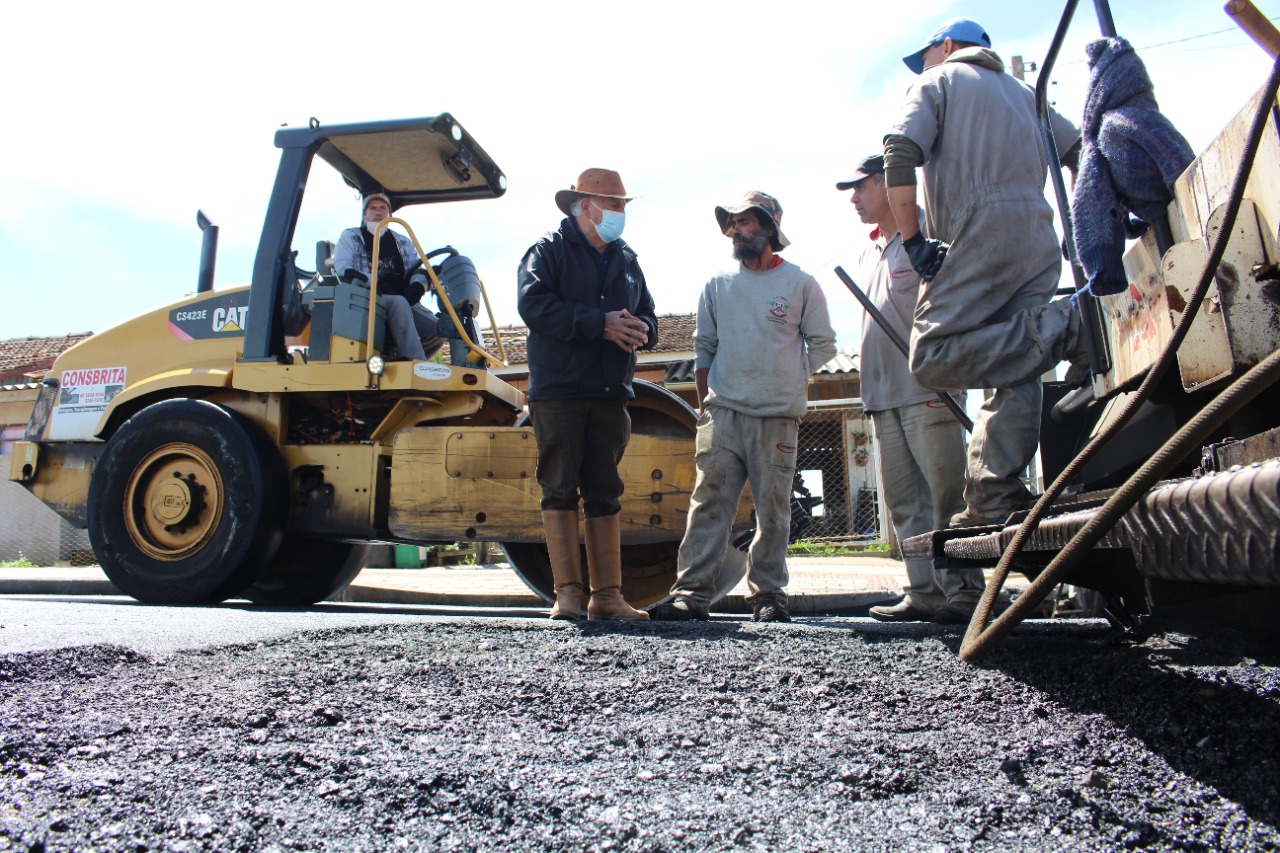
(208, 252)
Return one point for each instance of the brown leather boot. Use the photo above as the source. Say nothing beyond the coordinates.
(604, 565)
(561, 527)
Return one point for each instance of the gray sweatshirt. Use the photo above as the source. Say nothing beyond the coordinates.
(761, 334)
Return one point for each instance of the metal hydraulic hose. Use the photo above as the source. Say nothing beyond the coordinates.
(981, 637)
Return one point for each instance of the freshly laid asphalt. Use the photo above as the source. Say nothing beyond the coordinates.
(819, 585)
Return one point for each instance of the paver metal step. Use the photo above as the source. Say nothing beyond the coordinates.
(1217, 528)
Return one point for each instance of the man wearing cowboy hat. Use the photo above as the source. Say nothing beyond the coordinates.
(584, 298)
(402, 282)
(762, 329)
(991, 260)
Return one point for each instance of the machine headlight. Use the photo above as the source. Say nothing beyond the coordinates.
(376, 364)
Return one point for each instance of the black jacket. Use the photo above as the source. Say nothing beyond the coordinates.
(566, 287)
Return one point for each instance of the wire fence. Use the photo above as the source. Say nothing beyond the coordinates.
(836, 474)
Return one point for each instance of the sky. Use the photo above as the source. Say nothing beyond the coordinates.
(122, 120)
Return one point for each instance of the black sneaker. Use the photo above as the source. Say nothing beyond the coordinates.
(770, 611)
(680, 608)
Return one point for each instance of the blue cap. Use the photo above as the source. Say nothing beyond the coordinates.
(956, 29)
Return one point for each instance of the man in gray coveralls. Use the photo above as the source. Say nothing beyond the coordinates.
(991, 262)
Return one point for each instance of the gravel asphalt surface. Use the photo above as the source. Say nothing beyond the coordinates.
(524, 735)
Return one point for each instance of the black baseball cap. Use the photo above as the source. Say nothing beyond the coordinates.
(873, 165)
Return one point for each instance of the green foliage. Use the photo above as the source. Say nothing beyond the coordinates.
(819, 549)
(449, 553)
(21, 563)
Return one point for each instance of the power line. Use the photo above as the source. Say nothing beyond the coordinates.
(1201, 36)
(1180, 41)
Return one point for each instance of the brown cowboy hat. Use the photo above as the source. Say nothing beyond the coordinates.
(601, 183)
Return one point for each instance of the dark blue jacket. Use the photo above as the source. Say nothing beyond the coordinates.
(1132, 156)
(566, 287)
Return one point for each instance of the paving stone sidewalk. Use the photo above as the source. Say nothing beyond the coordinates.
(818, 585)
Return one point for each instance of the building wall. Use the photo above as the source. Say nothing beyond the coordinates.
(30, 530)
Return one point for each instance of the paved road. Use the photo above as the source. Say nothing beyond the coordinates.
(351, 727)
(37, 623)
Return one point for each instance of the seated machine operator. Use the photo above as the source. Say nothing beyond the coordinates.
(411, 326)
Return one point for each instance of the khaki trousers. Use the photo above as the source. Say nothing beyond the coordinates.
(922, 473)
(731, 450)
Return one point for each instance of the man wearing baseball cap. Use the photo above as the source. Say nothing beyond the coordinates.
(922, 454)
(991, 261)
(402, 282)
(588, 309)
(762, 329)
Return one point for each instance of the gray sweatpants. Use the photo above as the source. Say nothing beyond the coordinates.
(922, 469)
(731, 450)
(409, 325)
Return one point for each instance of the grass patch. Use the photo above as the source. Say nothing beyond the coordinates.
(21, 563)
(818, 549)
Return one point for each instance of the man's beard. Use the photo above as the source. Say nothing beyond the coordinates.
(749, 249)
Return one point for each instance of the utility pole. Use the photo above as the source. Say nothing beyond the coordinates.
(1019, 69)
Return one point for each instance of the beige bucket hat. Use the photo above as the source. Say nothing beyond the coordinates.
(763, 202)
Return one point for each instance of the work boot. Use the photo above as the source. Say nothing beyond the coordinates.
(604, 565)
(954, 614)
(968, 518)
(561, 529)
(770, 611)
(903, 611)
(681, 608)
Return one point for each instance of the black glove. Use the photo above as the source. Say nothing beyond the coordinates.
(414, 292)
(926, 255)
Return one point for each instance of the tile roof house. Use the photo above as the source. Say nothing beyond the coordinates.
(833, 413)
(670, 363)
(24, 360)
(675, 339)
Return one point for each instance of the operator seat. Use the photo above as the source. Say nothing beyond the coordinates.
(339, 313)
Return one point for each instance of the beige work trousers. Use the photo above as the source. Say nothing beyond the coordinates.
(731, 450)
(922, 467)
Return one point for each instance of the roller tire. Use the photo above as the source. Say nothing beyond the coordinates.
(648, 571)
(186, 504)
(305, 571)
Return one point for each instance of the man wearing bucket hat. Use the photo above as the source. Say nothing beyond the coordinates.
(991, 261)
(921, 442)
(762, 329)
(588, 309)
(401, 280)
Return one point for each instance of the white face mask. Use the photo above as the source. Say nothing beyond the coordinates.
(611, 223)
(373, 227)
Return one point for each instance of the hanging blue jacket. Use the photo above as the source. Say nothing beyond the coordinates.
(565, 289)
(1131, 156)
